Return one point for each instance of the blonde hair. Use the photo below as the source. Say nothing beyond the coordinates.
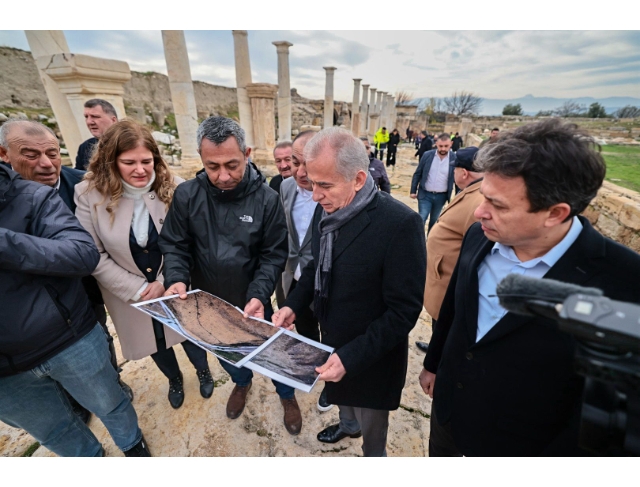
(103, 173)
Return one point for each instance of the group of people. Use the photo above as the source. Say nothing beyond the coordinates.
(348, 264)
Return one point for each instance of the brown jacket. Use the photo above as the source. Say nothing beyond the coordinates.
(444, 242)
(117, 274)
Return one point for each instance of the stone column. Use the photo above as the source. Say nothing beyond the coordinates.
(373, 123)
(382, 121)
(393, 115)
(47, 43)
(379, 102)
(372, 106)
(80, 78)
(355, 107)
(328, 97)
(284, 91)
(364, 108)
(182, 95)
(262, 96)
(243, 78)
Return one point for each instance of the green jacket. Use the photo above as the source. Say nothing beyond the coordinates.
(380, 138)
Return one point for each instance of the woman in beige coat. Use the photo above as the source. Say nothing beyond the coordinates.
(122, 203)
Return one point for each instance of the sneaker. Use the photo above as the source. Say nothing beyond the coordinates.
(140, 449)
(206, 383)
(176, 392)
(323, 404)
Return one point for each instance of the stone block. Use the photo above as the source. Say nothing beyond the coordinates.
(591, 214)
(608, 227)
(630, 216)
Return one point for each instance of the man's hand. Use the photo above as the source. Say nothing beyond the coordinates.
(413, 195)
(332, 370)
(427, 382)
(284, 318)
(154, 290)
(177, 288)
(254, 308)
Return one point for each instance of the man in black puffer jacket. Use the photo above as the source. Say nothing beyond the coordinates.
(49, 337)
(226, 233)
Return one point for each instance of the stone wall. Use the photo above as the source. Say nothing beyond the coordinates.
(615, 212)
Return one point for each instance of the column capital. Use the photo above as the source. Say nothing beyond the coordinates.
(357, 80)
(366, 87)
(329, 68)
(373, 89)
(282, 46)
(262, 90)
(239, 32)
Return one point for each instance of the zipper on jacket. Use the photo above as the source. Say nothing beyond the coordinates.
(66, 315)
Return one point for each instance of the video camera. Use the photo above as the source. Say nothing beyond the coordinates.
(607, 355)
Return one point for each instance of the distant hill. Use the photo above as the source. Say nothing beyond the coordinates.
(533, 104)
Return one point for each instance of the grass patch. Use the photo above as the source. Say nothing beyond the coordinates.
(31, 450)
(623, 165)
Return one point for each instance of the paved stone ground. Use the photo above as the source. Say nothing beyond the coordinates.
(201, 428)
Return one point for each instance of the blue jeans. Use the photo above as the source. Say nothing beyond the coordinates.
(430, 205)
(35, 400)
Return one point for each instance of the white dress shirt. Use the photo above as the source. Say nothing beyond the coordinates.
(438, 177)
(302, 214)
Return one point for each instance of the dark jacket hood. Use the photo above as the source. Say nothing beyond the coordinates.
(250, 183)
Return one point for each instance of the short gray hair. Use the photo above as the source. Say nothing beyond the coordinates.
(351, 156)
(107, 107)
(219, 129)
(31, 127)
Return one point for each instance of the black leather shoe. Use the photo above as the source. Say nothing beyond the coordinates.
(323, 404)
(176, 392)
(334, 434)
(424, 346)
(140, 449)
(127, 390)
(206, 383)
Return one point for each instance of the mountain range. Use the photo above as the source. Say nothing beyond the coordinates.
(533, 104)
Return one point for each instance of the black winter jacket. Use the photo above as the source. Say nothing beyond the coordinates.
(43, 253)
(232, 244)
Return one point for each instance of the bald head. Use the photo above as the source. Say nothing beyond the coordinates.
(32, 150)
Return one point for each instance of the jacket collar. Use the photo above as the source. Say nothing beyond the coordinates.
(575, 267)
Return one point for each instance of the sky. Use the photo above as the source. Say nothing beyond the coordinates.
(424, 63)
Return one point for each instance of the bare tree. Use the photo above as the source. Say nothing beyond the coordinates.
(403, 97)
(570, 109)
(628, 112)
(463, 103)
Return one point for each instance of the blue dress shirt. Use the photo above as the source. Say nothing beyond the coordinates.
(502, 260)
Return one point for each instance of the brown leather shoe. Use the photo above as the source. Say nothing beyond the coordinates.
(237, 400)
(292, 416)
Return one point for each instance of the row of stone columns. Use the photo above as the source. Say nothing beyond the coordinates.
(372, 110)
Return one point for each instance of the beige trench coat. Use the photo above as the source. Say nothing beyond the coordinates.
(117, 274)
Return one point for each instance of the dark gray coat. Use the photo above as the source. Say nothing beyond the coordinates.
(232, 244)
(43, 253)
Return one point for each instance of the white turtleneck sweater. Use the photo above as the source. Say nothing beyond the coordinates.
(140, 220)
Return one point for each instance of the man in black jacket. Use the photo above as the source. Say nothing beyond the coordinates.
(425, 145)
(506, 384)
(49, 337)
(33, 151)
(366, 281)
(226, 233)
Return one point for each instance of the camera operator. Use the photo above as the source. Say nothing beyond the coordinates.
(506, 383)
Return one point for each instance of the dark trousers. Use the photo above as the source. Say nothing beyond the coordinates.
(441, 442)
(391, 157)
(165, 358)
(373, 423)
